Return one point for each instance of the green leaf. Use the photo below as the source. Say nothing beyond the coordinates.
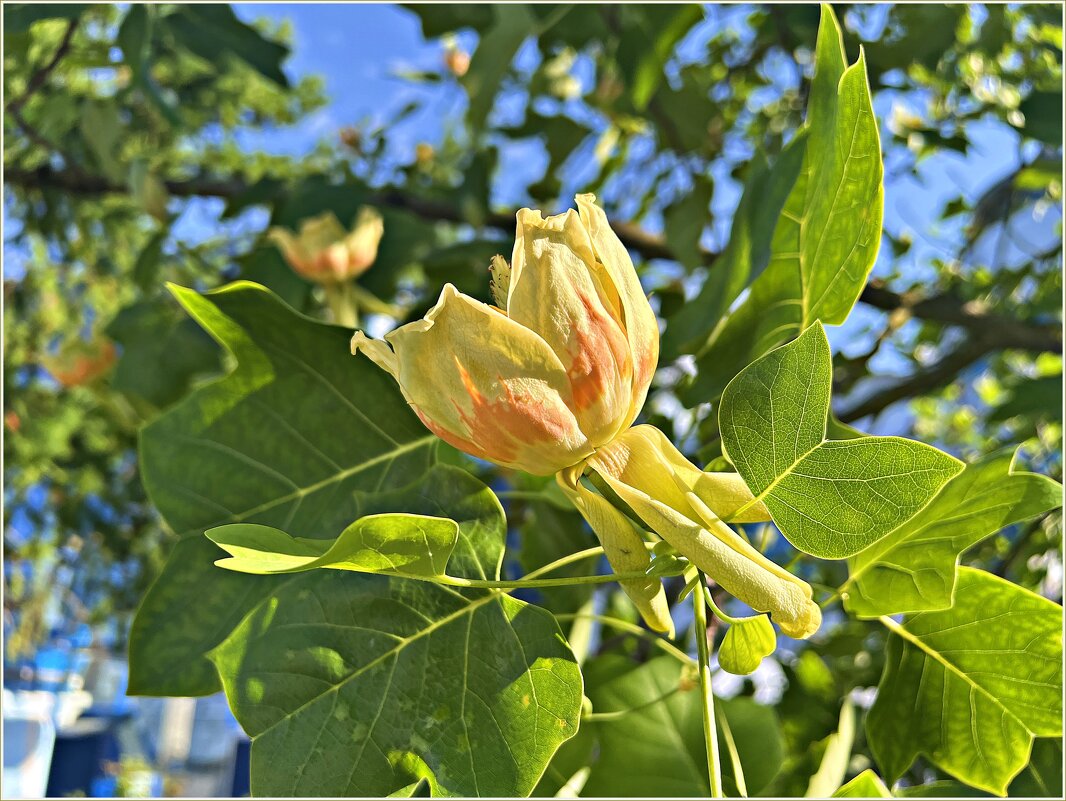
(492, 59)
(1043, 116)
(836, 757)
(913, 568)
(652, 37)
(414, 544)
(866, 785)
(135, 39)
(1042, 777)
(163, 352)
(830, 498)
(656, 749)
(747, 642)
(18, 17)
(301, 435)
(826, 241)
(213, 32)
(357, 685)
(685, 219)
(970, 686)
(745, 257)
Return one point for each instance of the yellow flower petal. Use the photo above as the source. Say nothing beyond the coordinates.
(485, 384)
(623, 547)
(553, 292)
(635, 469)
(641, 327)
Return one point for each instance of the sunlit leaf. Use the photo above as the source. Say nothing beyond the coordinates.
(830, 498)
(913, 568)
(970, 687)
(413, 544)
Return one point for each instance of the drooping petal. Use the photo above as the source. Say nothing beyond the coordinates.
(642, 330)
(623, 547)
(634, 468)
(486, 385)
(725, 493)
(554, 292)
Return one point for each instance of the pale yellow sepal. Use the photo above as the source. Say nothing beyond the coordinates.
(623, 547)
(636, 469)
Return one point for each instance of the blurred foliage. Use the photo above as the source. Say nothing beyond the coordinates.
(128, 164)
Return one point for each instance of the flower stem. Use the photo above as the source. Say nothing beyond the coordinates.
(523, 583)
(710, 735)
(633, 628)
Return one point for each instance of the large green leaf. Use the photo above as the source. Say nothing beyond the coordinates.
(970, 686)
(299, 436)
(830, 498)
(913, 568)
(826, 241)
(416, 545)
(355, 685)
(745, 257)
(656, 748)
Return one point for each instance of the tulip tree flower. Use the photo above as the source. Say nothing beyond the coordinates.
(324, 252)
(80, 362)
(550, 381)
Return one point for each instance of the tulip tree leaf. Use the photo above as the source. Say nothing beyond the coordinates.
(827, 238)
(745, 257)
(971, 686)
(747, 642)
(913, 568)
(830, 498)
(398, 543)
(299, 436)
(866, 785)
(356, 685)
(662, 713)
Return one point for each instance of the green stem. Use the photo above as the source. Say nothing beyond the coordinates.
(710, 736)
(341, 304)
(632, 628)
(523, 583)
(621, 713)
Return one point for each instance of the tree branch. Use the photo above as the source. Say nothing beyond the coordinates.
(37, 80)
(933, 377)
(1009, 333)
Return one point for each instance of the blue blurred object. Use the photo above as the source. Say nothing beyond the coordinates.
(242, 762)
(81, 754)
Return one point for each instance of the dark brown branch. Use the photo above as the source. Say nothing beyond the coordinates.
(38, 79)
(1009, 333)
(922, 382)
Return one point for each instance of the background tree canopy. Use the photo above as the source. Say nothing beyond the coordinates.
(157, 144)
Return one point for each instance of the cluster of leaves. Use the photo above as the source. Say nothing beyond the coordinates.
(370, 685)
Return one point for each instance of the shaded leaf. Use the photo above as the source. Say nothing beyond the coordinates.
(474, 689)
(299, 436)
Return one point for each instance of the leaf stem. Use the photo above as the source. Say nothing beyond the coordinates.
(710, 735)
(632, 628)
(523, 583)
